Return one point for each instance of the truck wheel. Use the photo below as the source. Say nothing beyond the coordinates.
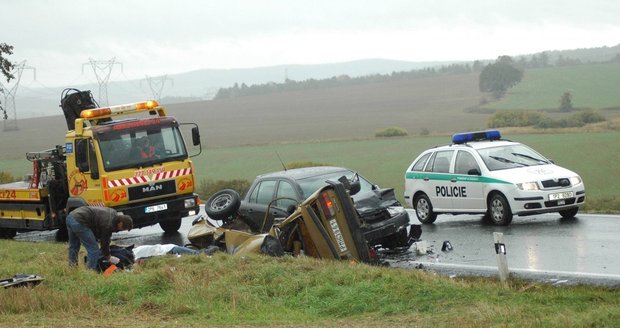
(569, 213)
(424, 209)
(223, 204)
(499, 210)
(7, 233)
(170, 226)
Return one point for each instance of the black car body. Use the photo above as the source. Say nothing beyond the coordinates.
(384, 220)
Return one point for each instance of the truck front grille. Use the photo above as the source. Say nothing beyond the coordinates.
(152, 190)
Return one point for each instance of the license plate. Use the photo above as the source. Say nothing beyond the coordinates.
(561, 195)
(155, 208)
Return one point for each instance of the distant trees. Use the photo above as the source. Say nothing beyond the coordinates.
(340, 80)
(5, 65)
(566, 102)
(498, 77)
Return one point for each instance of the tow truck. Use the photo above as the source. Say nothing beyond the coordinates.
(105, 161)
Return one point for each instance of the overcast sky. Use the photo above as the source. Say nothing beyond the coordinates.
(157, 37)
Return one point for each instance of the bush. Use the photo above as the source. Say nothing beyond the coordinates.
(424, 132)
(590, 116)
(540, 121)
(206, 188)
(391, 132)
(6, 177)
(575, 120)
(514, 119)
(296, 165)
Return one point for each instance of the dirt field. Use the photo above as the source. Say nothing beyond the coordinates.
(350, 112)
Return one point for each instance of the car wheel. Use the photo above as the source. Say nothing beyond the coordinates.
(499, 210)
(223, 204)
(171, 226)
(569, 213)
(424, 209)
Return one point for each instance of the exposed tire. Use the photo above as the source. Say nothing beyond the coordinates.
(569, 213)
(424, 209)
(399, 239)
(7, 233)
(223, 204)
(499, 211)
(170, 226)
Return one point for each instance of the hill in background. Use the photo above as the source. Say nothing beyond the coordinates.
(35, 99)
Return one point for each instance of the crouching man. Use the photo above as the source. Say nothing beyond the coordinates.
(86, 225)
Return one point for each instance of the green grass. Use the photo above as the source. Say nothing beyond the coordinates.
(223, 290)
(592, 155)
(592, 86)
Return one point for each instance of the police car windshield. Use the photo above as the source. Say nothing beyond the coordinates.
(512, 156)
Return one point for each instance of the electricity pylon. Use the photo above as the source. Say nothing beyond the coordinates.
(102, 70)
(156, 84)
(10, 123)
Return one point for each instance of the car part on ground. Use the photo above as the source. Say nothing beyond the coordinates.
(21, 280)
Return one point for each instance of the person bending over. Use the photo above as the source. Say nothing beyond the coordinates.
(86, 225)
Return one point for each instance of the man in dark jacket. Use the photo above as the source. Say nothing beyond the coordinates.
(86, 225)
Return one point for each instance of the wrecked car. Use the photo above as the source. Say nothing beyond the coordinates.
(384, 221)
(324, 225)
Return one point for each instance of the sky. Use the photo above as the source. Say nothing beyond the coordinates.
(60, 39)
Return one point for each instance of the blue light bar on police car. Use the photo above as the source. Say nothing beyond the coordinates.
(464, 137)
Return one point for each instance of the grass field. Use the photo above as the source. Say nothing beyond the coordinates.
(248, 291)
(592, 86)
(592, 155)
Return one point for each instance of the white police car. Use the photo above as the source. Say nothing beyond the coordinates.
(482, 173)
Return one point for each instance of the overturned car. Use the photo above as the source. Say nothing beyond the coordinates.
(384, 221)
(324, 225)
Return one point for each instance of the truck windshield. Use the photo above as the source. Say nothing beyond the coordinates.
(140, 145)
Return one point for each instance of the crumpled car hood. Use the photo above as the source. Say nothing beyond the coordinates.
(370, 201)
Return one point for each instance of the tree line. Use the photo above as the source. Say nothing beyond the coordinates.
(495, 77)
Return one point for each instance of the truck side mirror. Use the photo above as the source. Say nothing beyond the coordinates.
(196, 136)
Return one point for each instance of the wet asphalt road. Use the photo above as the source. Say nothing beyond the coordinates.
(541, 247)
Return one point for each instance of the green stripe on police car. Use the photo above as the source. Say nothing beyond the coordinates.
(448, 177)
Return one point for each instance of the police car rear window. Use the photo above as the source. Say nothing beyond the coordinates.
(419, 165)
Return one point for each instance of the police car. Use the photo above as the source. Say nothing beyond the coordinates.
(480, 173)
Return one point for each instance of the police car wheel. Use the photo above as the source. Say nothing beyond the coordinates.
(499, 210)
(570, 213)
(424, 209)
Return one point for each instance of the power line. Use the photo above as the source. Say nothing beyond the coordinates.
(9, 96)
(156, 84)
(102, 70)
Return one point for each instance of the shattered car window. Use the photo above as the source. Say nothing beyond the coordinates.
(312, 184)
